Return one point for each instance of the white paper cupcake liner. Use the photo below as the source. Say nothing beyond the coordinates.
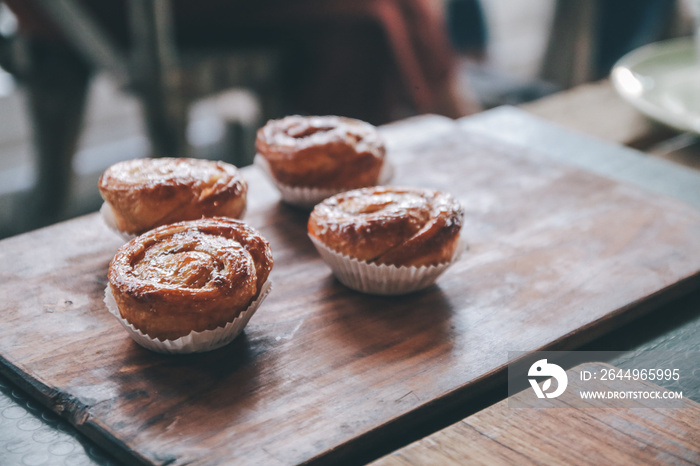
(382, 279)
(194, 342)
(108, 217)
(307, 198)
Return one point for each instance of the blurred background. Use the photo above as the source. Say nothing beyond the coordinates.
(87, 83)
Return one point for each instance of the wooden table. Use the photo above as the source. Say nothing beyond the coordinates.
(600, 433)
(558, 257)
(595, 109)
(615, 436)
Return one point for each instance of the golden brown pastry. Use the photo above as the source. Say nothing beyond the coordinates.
(322, 151)
(146, 193)
(385, 225)
(189, 276)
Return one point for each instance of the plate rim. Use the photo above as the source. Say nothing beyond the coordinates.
(640, 55)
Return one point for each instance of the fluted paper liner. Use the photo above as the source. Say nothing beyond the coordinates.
(194, 342)
(306, 197)
(108, 217)
(382, 279)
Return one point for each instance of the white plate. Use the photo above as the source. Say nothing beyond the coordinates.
(662, 80)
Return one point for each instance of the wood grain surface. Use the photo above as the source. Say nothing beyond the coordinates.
(556, 257)
(600, 433)
(597, 110)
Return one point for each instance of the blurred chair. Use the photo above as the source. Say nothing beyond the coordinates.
(65, 41)
(369, 59)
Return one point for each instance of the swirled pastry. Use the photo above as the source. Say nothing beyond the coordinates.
(386, 225)
(322, 151)
(189, 276)
(146, 193)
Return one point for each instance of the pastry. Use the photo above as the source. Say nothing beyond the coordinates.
(145, 193)
(326, 152)
(190, 276)
(394, 226)
(386, 240)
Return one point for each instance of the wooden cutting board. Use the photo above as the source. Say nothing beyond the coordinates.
(601, 433)
(557, 256)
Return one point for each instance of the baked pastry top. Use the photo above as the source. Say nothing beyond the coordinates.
(146, 193)
(322, 151)
(387, 225)
(189, 276)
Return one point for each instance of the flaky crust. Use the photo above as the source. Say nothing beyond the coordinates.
(189, 276)
(322, 151)
(146, 193)
(386, 225)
